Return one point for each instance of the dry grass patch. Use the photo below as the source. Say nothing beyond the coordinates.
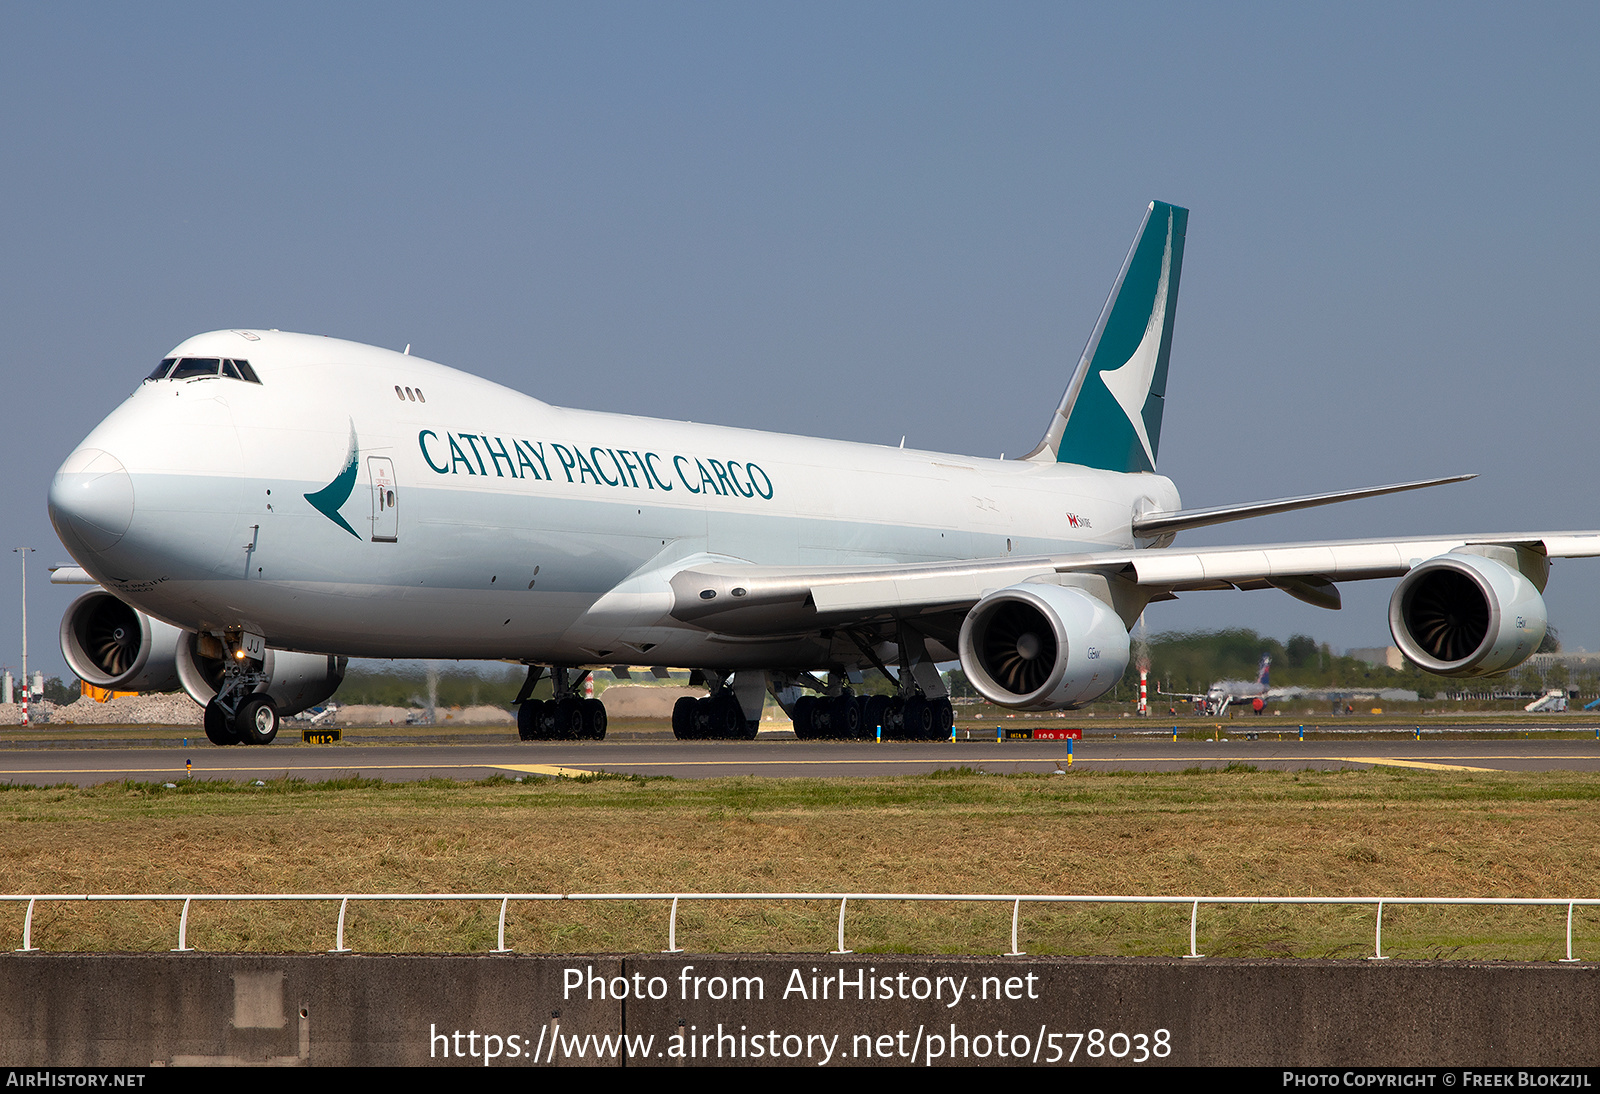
(1385, 832)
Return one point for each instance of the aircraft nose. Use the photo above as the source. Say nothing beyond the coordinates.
(91, 499)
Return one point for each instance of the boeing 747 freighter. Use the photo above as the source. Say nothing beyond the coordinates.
(266, 505)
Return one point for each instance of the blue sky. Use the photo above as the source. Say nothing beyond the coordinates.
(853, 220)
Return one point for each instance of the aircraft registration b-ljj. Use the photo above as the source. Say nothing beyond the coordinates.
(267, 504)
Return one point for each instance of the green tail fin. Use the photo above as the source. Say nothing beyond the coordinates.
(1110, 416)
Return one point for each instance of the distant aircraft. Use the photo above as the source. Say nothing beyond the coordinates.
(1225, 693)
(266, 505)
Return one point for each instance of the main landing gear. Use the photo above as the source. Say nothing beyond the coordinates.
(721, 715)
(921, 711)
(714, 718)
(567, 717)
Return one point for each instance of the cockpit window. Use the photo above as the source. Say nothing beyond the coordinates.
(190, 367)
(193, 368)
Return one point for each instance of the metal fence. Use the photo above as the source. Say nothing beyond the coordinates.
(844, 900)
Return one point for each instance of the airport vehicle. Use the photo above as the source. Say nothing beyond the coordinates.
(1553, 701)
(267, 504)
(1224, 693)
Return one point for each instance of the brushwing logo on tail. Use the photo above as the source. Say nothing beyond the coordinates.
(1130, 384)
(328, 500)
(1111, 415)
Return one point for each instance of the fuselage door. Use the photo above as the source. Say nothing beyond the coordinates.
(385, 500)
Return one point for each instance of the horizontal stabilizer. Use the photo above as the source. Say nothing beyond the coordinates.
(1163, 524)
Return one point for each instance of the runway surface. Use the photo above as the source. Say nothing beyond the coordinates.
(104, 759)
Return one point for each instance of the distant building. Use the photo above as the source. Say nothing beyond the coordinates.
(1379, 656)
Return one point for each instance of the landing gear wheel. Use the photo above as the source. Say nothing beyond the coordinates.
(569, 720)
(845, 716)
(875, 716)
(727, 718)
(683, 720)
(946, 717)
(219, 727)
(920, 720)
(804, 724)
(528, 719)
(594, 720)
(256, 720)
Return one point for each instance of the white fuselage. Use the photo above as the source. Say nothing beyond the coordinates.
(483, 523)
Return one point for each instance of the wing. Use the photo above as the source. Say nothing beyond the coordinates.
(1046, 632)
(736, 598)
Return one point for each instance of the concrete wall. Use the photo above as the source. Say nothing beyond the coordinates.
(513, 1010)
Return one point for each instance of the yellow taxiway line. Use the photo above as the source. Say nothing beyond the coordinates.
(545, 769)
(1420, 764)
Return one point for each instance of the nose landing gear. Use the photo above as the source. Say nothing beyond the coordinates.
(240, 713)
(253, 720)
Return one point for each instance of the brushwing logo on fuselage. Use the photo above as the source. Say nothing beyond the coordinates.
(328, 500)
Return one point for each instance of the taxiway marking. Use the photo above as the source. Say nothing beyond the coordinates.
(1420, 764)
(545, 769)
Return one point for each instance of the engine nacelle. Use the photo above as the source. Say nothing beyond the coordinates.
(110, 645)
(1466, 615)
(1037, 646)
(294, 681)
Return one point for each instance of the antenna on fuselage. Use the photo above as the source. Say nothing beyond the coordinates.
(407, 351)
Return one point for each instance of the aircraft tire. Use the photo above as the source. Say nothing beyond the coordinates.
(256, 720)
(726, 717)
(894, 720)
(528, 719)
(219, 729)
(683, 720)
(570, 720)
(594, 720)
(919, 720)
(846, 718)
(805, 728)
(946, 712)
(875, 715)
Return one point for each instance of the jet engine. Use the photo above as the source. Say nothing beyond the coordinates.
(1037, 646)
(1462, 614)
(293, 681)
(110, 645)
